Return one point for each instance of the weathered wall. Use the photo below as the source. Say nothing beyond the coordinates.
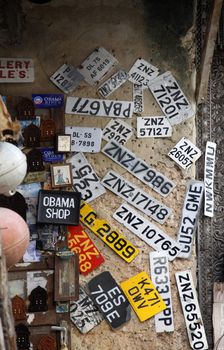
(158, 31)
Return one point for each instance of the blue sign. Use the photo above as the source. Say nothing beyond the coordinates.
(49, 155)
(48, 100)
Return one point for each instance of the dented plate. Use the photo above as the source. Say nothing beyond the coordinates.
(113, 83)
(66, 78)
(142, 72)
(117, 130)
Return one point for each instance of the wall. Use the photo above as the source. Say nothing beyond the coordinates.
(161, 32)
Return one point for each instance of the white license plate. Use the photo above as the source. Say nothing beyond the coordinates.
(153, 127)
(66, 78)
(138, 98)
(135, 196)
(160, 276)
(113, 83)
(209, 173)
(96, 65)
(184, 153)
(85, 179)
(84, 139)
(16, 70)
(99, 108)
(138, 168)
(117, 130)
(191, 310)
(147, 231)
(142, 72)
(189, 218)
(171, 98)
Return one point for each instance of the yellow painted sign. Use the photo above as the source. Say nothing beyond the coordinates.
(103, 230)
(143, 296)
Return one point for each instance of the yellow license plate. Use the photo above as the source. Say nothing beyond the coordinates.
(143, 296)
(101, 228)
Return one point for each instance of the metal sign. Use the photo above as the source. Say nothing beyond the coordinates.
(189, 218)
(147, 231)
(48, 100)
(171, 98)
(117, 130)
(49, 155)
(84, 139)
(209, 173)
(138, 168)
(83, 313)
(136, 197)
(161, 279)
(80, 243)
(99, 108)
(96, 65)
(110, 236)
(138, 98)
(153, 127)
(184, 153)
(110, 299)
(58, 207)
(142, 72)
(143, 296)
(16, 70)
(85, 179)
(113, 83)
(191, 310)
(66, 78)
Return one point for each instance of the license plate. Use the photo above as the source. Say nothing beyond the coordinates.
(146, 231)
(117, 130)
(85, 179)
(184, 153)
(171, 98)
(84, 139)
(161, 279)
(189, 218)
(136, 197)
(66, 78)
(209, 173)
(138, 98)
(99, 108)
(80, 243)
(138, 168)
(143, 296)
(142, 72)
(153, 127)
(83, 313)
(191, 310)
(110, 299)
(113, 83)
(16, 70)
(110, 236)
(96, 65)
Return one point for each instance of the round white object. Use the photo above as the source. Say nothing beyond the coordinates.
(13, 167)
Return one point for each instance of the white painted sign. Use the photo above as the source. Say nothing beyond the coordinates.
(84, 139)
(96, 65)
(191, 310)
(16, 70)
(171, 98)
(113, 83)
(138, 98)
(153, 127)
(136, 197)
(161, 279)
(117, 130)
(84, 178)
(147, 231)
(209, 173)
(142, 72)
(99, 108)
(66, 78)
(138, 168)
(185, 153)
(189, 218)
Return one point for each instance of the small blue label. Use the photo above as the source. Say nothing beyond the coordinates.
(48, 100)
(49, 155)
